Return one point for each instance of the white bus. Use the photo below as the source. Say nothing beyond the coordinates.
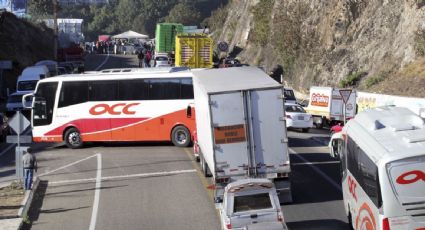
(115, 105)
(383, 169)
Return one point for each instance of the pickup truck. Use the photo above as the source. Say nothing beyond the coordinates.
(251, 204)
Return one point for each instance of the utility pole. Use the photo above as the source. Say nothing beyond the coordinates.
(55, 29)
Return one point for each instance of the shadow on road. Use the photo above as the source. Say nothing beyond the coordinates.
(37, 203)
(328, 224)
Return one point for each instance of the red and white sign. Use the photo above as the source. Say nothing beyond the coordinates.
(321, 100)
(345, 94)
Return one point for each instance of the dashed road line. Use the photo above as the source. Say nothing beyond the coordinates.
(320, 172)
(316, 163)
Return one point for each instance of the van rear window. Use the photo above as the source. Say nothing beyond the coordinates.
(408, 178)
(252, 202)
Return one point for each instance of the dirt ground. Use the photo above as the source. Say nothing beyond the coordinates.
(11, 198)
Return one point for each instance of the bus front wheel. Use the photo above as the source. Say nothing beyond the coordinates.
(180, 136)
(73, 138)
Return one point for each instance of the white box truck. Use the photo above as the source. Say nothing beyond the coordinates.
(241, 127)
(327, 107)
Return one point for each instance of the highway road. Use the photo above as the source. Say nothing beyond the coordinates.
(159, 186)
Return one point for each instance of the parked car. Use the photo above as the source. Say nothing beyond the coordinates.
(249, 201)
(298, 118)
(14, 101)
(161, 61)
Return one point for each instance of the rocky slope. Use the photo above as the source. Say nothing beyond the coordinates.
(375, 46)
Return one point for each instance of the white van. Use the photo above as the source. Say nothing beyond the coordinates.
(30, 76)
(51, 65)
(382, 153)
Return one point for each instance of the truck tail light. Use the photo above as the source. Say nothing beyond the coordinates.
(222, 180)
(288, 116)
(385, 224)
(227, 222)
(280, 216)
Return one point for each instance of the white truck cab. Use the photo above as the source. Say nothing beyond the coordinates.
(248, 202)
(29, 77)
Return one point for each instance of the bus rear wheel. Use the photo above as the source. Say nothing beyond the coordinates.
(73, 138)
(180, 136)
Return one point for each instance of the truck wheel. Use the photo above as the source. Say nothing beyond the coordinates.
(180, 136)
(319, 124)
(73, 138)
(204, 166)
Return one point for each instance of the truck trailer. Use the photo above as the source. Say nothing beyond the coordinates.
(241, 128)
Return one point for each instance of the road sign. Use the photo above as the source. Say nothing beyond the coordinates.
(22, 139)
(345, 94)
(5, 64)
(223, 46)
(19, 123)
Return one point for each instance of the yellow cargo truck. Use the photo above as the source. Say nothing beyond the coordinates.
(194, 51)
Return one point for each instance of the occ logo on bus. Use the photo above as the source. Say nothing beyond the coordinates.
(411, 177)
(352, 187)
(116, 109)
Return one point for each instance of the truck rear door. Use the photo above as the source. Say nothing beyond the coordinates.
(268, 131)
(337, 105)
(229, 135)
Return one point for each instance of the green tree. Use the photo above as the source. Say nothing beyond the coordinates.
(184, 13)
(40, 9)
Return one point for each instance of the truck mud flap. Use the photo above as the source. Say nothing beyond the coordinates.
(284, 192)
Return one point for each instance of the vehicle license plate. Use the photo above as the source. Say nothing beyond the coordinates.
(301, 118)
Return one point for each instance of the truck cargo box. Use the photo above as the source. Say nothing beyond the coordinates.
(194, 51)
(165, 36)
(240, 122)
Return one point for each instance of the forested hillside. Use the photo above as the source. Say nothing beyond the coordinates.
(375, 46)
(122, 15)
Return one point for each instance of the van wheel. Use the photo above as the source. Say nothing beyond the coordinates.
(73, 138)
(180, 136)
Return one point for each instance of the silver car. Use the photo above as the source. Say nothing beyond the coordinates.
(247, 202)
(161, 61)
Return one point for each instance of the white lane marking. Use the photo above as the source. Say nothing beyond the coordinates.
(96, 193)
(327, 178)
(7, 149)
(317, 163)
(65, 166)
(125, 176)
(103, 63)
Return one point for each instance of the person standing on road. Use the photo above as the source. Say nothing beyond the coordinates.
(30, 164)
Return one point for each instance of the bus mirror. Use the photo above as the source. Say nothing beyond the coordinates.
(27, 100)
(189, 111)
